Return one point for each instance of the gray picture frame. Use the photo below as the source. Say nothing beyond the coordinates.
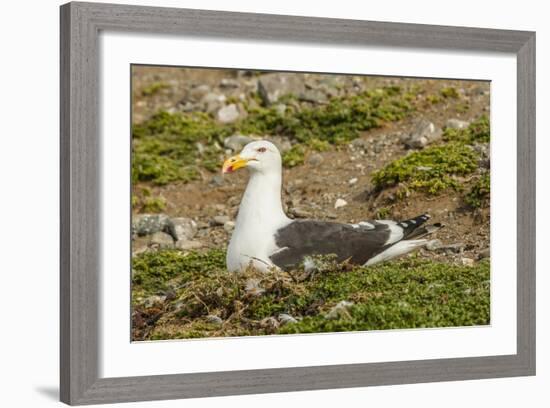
(80, 237)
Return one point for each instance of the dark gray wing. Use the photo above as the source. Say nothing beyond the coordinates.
(302, 238)
(354, 242)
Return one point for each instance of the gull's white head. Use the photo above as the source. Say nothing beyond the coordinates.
(260, 156)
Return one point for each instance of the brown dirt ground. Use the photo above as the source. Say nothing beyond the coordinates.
(315, 188)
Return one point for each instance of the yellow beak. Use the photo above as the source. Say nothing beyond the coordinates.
(234, 163)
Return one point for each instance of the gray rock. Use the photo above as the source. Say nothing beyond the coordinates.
(299, 212)
(485, 253)
(282, 143)
(198, 93)
(457, 124)
(483, 149)
(467, 261)
(424, 133)
(484, 163)
(212, 102)
(340, 203)
(185, 245)
(237, 142)
(285, 318)
(315, 159)
(162, 240)
(272, 86)
(314, 96)
(229, 83)
(220, 219)
(434, 244)
(181, 228)
(437, 245)
(228, 114)
(214, 319)
(153, 300)
(453, 248)
(189, 107)
(229, 226)
(341, 310)
(147, 224)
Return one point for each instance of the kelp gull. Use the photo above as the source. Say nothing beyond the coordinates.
(264, 237)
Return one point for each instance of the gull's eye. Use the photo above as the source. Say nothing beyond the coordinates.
(261, 149)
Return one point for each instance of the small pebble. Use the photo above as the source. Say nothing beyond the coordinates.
(229, 226)
(187, 245)
(153, 300)
(214, 319)
(340, 203)
(467, 261)
(457, 124)
(286, 318)
(220, 220)
(340, 310)
(485, 253)
(162, 240)
(434, 244)
(315, 159)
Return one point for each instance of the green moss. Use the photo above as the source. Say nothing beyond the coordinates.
(153, 205)
(462, 107)
(318, 145)
(342, 119)
(438, 167)
(478, 131)
(479, 193)
(382, 213)
(144, 201)
(294, 157)
(170, 147)
(433, 99)
(401, 294)
(154, 88)
(152, 271)
(449, 92)
(339, 121)
(431, 170)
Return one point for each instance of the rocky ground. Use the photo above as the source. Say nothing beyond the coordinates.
(424, 151)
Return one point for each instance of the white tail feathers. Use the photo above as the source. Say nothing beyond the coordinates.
(401, 248)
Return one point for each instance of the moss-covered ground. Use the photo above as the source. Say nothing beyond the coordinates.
(189, 294)
(438, 167)
(178, 295)
(175, 146)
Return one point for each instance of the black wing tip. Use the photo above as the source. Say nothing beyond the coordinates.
(413, 223)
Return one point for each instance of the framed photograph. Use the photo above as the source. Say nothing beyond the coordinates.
(261, 203)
